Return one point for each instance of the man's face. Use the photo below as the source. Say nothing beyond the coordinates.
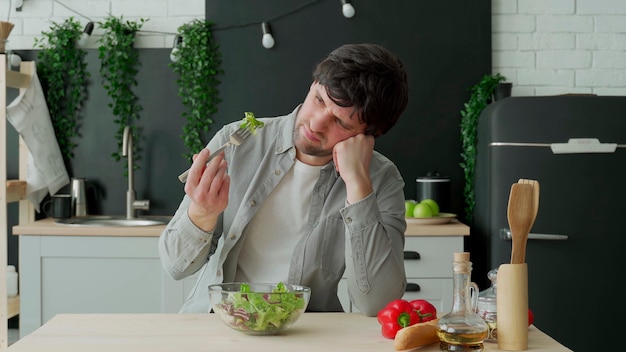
(321, 124)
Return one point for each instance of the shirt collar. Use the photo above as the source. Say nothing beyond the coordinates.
(285, 137)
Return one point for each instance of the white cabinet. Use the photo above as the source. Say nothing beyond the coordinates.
(94, 274)
(428, 266)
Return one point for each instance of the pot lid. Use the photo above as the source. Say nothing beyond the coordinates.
(433, 176)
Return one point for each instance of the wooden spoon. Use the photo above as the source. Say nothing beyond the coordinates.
(535, 185)
(520, 216)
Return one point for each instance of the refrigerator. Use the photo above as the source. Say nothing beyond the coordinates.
(575, 147)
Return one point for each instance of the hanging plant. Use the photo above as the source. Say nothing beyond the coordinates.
(197, 60)
(61, 69)
(118, 67)
(481, 96)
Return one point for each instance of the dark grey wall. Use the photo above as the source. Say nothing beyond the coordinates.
(445, 44)
(161, 160)
(161, 122)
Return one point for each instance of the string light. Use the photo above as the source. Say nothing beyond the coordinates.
(267, 40)
(347, 9)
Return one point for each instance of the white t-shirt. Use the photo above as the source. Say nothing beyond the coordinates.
(272, 235)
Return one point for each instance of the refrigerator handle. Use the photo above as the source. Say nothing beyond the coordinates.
(505, 234)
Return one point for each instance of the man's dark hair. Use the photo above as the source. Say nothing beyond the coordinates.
(369, 78)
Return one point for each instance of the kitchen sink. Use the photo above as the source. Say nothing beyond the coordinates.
(114, 221)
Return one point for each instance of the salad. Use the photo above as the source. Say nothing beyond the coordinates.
(261, 312)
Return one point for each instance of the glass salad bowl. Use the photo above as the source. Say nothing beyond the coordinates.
(258, 308)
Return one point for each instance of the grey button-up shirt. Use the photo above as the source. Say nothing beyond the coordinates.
(363, 242)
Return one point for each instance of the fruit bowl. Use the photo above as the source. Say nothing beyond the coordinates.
(259, 308)
(442, 218)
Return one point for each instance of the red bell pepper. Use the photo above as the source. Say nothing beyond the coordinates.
(396, 315)
(425, 310)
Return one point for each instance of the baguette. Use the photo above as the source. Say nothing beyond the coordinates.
(416, 335)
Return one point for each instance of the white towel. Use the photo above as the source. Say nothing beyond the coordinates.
(29, 115)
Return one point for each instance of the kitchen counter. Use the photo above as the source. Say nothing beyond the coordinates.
(453, 228)
(120, 270)
(204, 332)
(47, 227)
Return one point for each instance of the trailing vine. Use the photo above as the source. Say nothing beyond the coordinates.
(118, 68)
(61, 68)
(481, 96)
(197, 61)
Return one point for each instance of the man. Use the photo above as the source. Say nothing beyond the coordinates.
(305, 200)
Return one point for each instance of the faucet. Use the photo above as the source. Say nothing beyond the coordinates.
(132, 204)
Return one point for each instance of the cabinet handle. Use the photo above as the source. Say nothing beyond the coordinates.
(411, 287)
(411, 255)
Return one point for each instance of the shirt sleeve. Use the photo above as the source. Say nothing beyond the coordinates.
(183, 247)
(375, 247)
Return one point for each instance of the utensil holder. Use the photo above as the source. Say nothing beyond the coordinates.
(512, 307)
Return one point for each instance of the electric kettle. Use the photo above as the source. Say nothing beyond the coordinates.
(79, 199)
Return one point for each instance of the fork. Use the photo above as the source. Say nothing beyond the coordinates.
(236, 138)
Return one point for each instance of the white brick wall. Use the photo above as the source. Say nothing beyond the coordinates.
(547, 47)
(544, 47)
(164, 17)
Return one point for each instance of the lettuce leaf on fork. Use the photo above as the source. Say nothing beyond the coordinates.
(250, 122)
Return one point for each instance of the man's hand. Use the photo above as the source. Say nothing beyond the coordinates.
(352, 160)
(207, 186)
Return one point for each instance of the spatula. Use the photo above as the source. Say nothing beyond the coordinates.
(520, 215)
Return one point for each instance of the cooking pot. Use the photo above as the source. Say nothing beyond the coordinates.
(436, 187)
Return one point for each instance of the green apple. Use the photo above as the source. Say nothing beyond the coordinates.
(433, 205)
(409, 206)
(422, 210)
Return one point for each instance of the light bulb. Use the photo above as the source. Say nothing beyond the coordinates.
(18, 5)
(82, 40)
(15, 60)
(178, 42)
(347, 9)
(84, 36)
(267, 40)
(174, 54)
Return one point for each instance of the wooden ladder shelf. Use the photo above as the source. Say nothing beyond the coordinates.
(14, 191)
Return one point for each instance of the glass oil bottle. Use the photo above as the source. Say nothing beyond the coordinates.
(462, 329)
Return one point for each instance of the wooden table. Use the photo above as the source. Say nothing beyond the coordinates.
(204, 332)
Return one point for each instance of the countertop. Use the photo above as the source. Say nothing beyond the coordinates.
(49, 227)
(204, 332)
